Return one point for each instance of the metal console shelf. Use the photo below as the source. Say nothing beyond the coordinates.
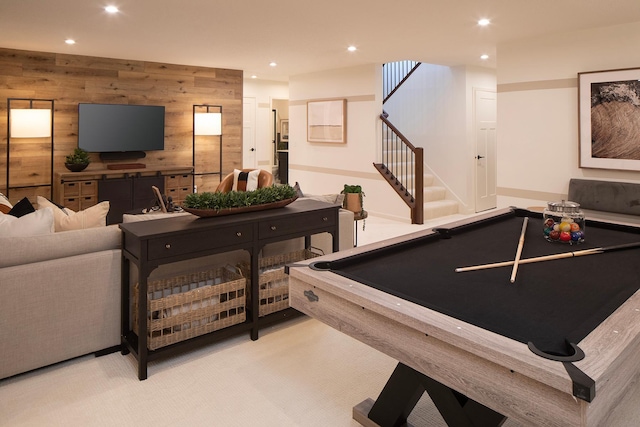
(149, 244)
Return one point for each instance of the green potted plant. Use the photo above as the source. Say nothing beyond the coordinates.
(354, 201)
(77, 161)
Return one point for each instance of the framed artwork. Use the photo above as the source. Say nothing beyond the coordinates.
(326, 121)
(609, 115)
(284, 130)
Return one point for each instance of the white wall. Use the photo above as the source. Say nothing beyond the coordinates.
(538, 108)
(324, 168)
(264, 92)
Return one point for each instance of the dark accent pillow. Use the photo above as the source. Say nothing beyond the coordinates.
(243, 177)
(22, 208)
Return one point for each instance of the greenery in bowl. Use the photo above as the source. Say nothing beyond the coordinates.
(78, 157)
(238, 199)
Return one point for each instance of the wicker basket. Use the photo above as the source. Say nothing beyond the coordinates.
(273, 294)
(193, 304)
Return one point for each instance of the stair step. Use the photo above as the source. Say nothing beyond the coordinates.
(433, 193)
(440, 208)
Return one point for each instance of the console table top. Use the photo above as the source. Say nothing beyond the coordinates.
(191, 223)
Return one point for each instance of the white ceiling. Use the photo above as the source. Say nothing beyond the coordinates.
(300, 35)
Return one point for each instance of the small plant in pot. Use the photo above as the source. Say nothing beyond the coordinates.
(77, 161)
(354, 200)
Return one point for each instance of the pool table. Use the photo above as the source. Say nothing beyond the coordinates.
(560, 346)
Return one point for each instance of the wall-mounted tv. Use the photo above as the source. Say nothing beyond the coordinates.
(113, 128)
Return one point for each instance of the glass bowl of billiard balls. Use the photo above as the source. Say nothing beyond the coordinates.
(563, 222)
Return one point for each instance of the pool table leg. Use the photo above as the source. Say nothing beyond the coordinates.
(405, 388)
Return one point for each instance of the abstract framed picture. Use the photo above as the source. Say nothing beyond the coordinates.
(609, 115)
(326, 121)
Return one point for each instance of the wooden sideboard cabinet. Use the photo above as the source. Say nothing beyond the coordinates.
(80, 190)
(150, 244)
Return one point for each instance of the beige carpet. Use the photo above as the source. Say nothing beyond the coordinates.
(301, 373)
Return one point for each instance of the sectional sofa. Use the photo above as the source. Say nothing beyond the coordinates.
(60, 293)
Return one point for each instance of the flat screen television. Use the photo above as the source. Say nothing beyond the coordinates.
(115, 128)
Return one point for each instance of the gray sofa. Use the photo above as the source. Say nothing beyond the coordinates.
(59, 297)
(607, 200)
(60, 293)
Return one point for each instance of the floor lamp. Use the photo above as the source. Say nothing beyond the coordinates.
(29, 118)
(207, 122)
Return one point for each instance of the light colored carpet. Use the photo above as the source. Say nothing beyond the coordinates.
(301, 373)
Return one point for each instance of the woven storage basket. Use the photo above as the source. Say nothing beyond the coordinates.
(193, 304)
(273, 294)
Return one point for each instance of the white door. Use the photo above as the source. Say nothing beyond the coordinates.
(249, 158)
(486, 156)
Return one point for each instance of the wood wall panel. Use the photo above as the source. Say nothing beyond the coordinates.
(73, 79)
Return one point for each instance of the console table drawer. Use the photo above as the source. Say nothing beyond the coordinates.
(297, 224)
(165, 247)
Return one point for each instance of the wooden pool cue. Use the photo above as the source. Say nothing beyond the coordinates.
(552, 257)
(516, 260)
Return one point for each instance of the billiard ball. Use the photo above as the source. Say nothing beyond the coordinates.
(575, 226)
(565, 236)
(577, 236)
(554, 235)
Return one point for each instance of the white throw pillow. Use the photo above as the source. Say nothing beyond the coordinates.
(251, 182)
(66, 219)
(33, 224)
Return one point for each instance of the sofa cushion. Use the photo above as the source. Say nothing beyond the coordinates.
(5, 204)
(23, 207)
(32, 224)
(65, 219)
(25, 250)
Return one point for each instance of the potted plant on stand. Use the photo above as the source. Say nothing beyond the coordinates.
(77, 161)
(353, 201)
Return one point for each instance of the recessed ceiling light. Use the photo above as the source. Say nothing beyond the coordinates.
(272, 64)
(111, 9)
(484, 57)
(484, 22)
(70, 41)
(352, 48)
(254, 76)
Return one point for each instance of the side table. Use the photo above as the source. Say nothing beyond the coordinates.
(357, 216)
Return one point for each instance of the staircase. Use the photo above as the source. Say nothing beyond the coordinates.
(435, 204)
(403, 164)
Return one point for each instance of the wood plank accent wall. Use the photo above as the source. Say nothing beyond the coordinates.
(73, 79)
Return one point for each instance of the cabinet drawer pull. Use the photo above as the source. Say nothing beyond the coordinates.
(167, 246)
(239, 234)
(273, 228)
(325, 219)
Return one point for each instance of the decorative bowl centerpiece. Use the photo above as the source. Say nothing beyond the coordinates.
(209, 204)
(77, 161)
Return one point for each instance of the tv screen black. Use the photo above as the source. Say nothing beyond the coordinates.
(104, 128)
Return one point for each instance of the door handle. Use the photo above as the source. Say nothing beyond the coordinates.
(479, 157)
(253, 149)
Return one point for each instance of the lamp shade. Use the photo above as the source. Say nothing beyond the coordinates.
(30, 123)
(207, 124)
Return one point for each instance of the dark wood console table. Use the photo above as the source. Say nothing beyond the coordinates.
(149, 244)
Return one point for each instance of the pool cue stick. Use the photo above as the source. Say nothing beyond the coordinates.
(519, 250)
(552, 257)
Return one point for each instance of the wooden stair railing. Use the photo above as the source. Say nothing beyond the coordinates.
(403, 168)
(394, 74)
